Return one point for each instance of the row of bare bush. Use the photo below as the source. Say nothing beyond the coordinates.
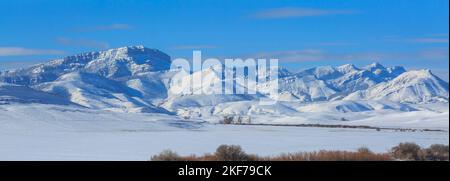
(236, 120)
(412, 151)
(403, 151)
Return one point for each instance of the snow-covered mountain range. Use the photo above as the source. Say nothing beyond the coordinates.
(137, 79)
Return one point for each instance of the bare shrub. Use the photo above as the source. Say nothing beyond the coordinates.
(331, 156)
(167, 155)
(348, 156)
(239, 121)
(207, 157)
(227, 120)
(407, 151)
(437, 152)
(364, 150)
(231, 153)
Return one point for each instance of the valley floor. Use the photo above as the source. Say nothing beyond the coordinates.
(48, 132)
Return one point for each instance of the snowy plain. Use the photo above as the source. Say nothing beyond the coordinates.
(119, 104)
(55, 132)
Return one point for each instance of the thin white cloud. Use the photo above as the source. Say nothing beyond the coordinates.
(296, 12)
(434, 53)
(306, 55)
(17, 64)
(334, 44)
(430, 40)
(20, 51)
(194, 47)
(440, 35)
(82, 43)
(310, 55)
(116, 26)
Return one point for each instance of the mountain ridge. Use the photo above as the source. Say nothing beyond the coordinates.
(136, 79)
(112, 63)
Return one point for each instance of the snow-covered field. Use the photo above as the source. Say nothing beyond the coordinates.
(56, 132)
(121, 104)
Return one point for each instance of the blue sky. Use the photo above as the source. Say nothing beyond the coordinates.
(301, 33)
